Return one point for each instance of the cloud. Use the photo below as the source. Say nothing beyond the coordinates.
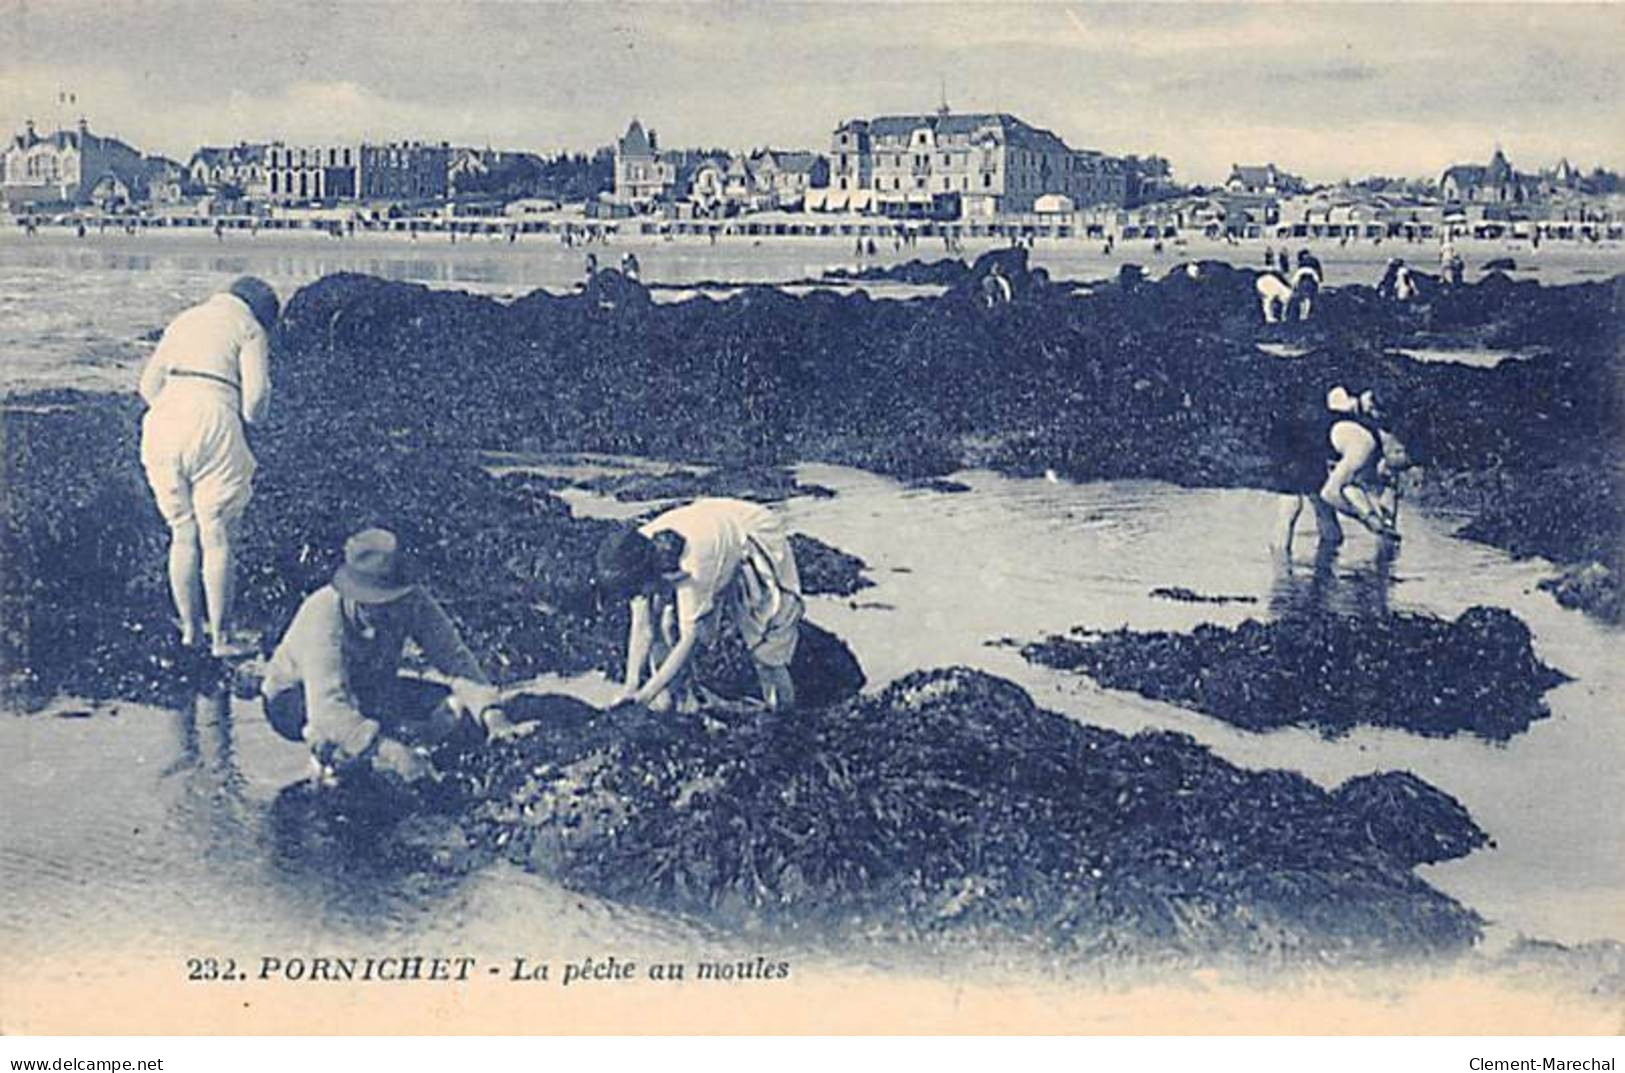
(1201, 84)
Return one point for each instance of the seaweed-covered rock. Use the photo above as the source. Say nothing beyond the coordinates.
(947, 272)
(761, 484)
(827, 570)
(1156, 379)
(950, 805)
(1476, 675)
(1408, 818)
(1181, 594)
(1592, 587)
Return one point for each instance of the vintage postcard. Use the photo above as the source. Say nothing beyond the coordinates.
(811, 518)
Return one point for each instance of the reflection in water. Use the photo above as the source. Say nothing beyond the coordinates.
(1319, 588)
(365, 853)
(200, 806)
(213, 802)
(367, 850)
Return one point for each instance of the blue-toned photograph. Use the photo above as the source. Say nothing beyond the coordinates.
(811, 517)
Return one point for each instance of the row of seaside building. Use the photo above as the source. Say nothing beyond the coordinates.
(939, 166)
(942, 165)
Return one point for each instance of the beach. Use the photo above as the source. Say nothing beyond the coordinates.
(959, 578)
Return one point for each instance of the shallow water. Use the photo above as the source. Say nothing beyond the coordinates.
(78, 313)
(1020, 558)
(1478, 359)
(152, 832)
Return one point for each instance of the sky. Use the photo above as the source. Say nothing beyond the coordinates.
(1326, 90)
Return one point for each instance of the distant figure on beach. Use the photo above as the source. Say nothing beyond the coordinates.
(1451, 264)
(869, 247)
(208, 376)
(333, 682)
(1335, 460)
(629, 265)
(1274, 292)
(592, 266)
(689, 572)
(995, 287)
(1398, 284)
(1305, 284)
(1269, 256)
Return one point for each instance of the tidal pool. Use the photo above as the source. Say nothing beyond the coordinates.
(144, 832)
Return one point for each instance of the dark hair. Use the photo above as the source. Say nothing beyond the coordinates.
(259, 296)
(626, 559)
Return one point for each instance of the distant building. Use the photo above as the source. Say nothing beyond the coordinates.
(301, 173)
(73, 167)
(494, 170)
(403, 171)
(781, 178)
(169, 182)
(978, 164)
(642, 177)
(852, 157)
(1265, 180)
(392, 171)
(713, 182)
(1495, 183)
(242, 168)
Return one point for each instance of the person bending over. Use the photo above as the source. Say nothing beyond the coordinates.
(683, 574)
(209, 375)
(1335, 462)
(334, 683)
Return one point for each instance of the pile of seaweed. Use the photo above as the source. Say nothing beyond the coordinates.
(1573, 514)
(1140, 378)
(949, 805)
(762, 484)
(1478, 674)
(827, 570)
(947, 272)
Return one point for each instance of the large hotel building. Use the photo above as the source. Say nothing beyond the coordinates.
(964, 164)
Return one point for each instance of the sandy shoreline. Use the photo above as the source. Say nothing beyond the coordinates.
(492, 262)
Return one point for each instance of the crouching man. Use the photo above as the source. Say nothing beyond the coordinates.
(691, 566)
(333, 682)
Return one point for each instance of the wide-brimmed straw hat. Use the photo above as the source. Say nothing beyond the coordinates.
(372, 572)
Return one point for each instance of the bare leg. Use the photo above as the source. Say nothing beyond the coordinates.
(1387, 501)
(1286, 523)
(219, 577)
(185, 580)
(1326, 523)
(778, 689)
